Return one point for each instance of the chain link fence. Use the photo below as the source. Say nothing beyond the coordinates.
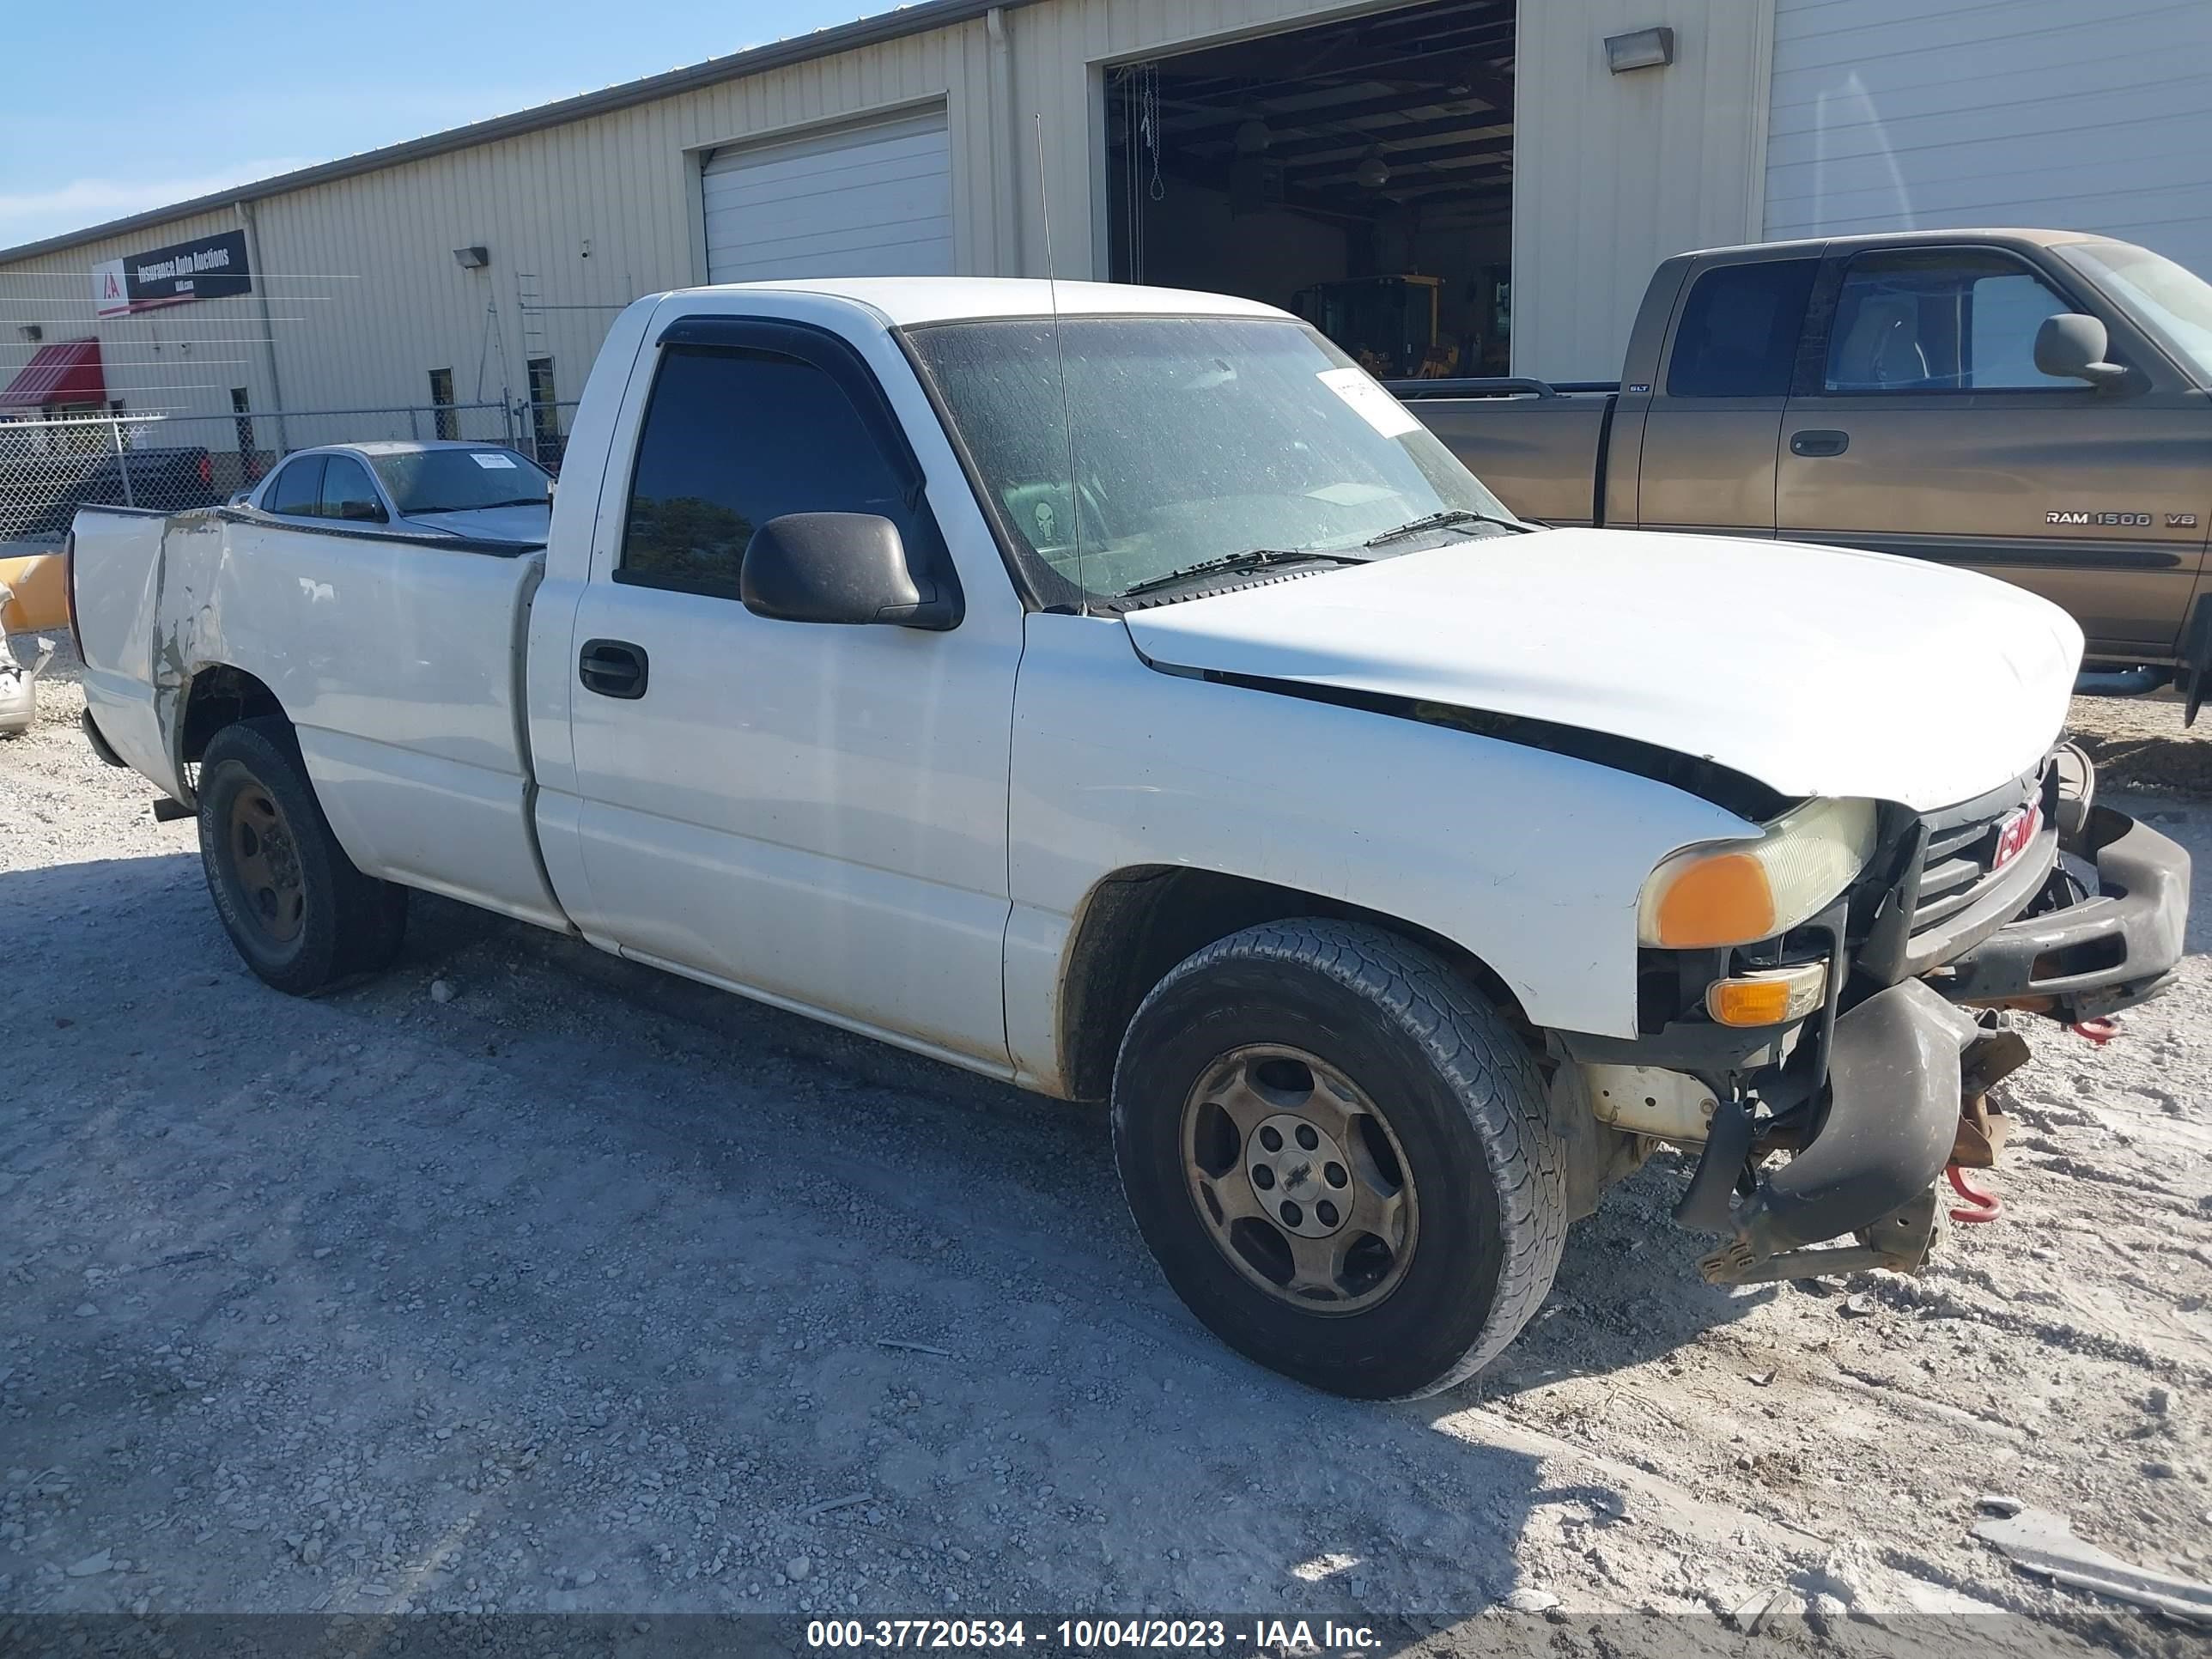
(51, 467)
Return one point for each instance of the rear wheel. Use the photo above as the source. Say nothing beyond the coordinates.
(297, 909)
(1339, 1156)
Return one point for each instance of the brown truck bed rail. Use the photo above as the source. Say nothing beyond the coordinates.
(1495, 385)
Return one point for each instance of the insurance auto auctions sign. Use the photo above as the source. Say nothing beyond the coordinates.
(207, 267)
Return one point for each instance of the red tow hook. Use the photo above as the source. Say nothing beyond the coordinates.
(2099, 1031)
(1981, 1205)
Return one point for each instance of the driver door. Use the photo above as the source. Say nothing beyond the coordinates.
(815, 814)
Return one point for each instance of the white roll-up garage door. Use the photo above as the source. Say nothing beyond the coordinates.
(874, 201)
(1894, 114)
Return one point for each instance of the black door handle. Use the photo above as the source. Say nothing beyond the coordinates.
(613, 668)
(1819, 443)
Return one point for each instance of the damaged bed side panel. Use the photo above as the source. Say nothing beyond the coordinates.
(138, 628)
(394, 659)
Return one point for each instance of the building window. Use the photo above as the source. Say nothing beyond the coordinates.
(545, 414)
(441, 404)
(241, 405)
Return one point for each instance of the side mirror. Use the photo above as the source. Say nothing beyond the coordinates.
(2072, 347)
(840, 567)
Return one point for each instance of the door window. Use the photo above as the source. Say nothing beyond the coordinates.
(734, 438)
(347, 492)
(1945, 320)
(1738, 336)
(298, 490)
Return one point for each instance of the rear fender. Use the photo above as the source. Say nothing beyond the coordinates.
(143, 585)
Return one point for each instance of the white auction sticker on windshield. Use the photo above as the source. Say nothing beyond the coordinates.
(1370, 401)
(486, 458)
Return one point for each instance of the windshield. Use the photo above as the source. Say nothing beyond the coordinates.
(1195, 439)
(461, 480)
(2173, 304)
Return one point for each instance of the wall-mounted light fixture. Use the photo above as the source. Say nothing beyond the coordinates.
(472, 258)
(1643, 49)
(32, 332)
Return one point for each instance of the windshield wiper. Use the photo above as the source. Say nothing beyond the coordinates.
(480, 507)
(1251, 559)
(1445, 520)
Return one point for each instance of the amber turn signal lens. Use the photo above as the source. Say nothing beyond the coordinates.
(1768, 999)
(1722, 900)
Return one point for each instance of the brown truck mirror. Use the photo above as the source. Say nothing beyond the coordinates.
(2072, 346)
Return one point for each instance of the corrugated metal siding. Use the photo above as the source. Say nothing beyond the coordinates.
(1891, 114)
(1613, 173)
(179, 356)
(360, 271)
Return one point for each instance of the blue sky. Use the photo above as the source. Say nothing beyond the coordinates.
(132, 104)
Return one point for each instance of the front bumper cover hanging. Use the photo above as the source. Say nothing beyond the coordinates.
(1896, 1078)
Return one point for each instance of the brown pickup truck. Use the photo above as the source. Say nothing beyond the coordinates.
(2034, 404)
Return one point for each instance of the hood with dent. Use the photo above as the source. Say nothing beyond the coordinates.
(1817, 670)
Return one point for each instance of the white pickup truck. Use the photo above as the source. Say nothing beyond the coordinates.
(1117, 692)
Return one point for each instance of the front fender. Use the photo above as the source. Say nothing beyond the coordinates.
(1530, 860)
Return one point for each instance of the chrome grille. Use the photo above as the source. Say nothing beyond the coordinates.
(1959, 865)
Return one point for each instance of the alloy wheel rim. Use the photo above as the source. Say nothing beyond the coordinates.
(265, 864)
(1298, 1179)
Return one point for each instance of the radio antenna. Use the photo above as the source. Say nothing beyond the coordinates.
(1059, 362)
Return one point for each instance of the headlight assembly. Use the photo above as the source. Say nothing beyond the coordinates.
(1738, 892)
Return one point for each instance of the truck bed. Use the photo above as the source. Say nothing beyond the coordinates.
(1540, 446)
(399, 661)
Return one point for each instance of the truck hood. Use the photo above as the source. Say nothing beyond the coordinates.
(1816, 670)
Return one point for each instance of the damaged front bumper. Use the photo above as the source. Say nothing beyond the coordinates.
(2082, 958)
(1896, 1089)
(1908, 1066)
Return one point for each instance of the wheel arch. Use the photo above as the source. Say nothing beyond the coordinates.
(1138, 922)
(216, 695)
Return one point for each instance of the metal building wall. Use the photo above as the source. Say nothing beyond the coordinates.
(1613, 173)
(360, 274)
(1896, 114)
(180, 356)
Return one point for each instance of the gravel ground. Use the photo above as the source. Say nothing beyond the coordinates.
(2141, 742)
(527, 1279)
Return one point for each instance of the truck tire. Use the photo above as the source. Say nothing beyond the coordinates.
(297, 909)
(1339, 1156)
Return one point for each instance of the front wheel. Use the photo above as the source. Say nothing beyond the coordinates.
(1339, 1156)
(298, 910)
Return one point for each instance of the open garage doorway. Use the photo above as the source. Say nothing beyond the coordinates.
(1358, 173)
